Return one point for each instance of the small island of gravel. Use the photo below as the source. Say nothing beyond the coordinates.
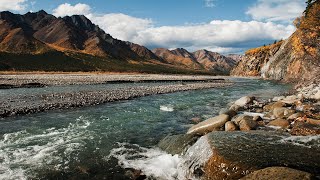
(112, 87)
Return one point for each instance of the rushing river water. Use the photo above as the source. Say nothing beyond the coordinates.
(87, 142)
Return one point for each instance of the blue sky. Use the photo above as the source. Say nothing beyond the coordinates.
(225, 26)
(164, 12)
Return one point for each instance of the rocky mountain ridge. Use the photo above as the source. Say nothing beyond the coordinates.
(201, 59)
(63, 41)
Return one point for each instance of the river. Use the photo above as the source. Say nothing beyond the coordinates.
(84, 143)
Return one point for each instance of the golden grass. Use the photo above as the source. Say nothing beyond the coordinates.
(263, 48)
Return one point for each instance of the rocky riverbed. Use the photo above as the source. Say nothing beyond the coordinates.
(281, 134)
(26, 104)
(15, 80)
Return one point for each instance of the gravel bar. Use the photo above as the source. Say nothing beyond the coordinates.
(79, 79)
(23, 104)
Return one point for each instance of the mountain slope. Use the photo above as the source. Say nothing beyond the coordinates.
(29, 41)
(179, 57)
(214, 61)
(255, 59)
(296, 59)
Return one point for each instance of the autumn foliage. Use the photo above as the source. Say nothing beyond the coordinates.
(264, 49)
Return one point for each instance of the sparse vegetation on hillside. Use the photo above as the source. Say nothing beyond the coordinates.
(264, 49)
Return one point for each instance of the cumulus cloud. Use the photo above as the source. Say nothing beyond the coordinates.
(120, 25)
(67, 9)
(276, 10)
(222, 36)
(13, 5)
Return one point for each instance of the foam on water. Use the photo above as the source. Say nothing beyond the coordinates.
(167, 108)
(24, 151)
(152, 162)
(155, 163)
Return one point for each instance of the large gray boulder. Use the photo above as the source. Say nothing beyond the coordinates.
(232, 155)
(209, 125)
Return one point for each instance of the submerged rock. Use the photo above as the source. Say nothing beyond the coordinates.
(278, 173)
(209, 125)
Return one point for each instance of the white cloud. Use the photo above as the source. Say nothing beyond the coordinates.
(209, 3)
(13, 5)
(67, 9)
(221, 36)
(276, 10)
(120, 25)
(217, 35)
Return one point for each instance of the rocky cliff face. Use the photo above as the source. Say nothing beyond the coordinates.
(296, 59)
(255, 59)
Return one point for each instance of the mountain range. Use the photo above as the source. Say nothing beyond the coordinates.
(42, 42)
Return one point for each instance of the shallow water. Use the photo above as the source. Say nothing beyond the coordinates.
(77, 143)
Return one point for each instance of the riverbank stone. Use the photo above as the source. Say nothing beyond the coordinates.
(247, 125)
(177, 144)
(231, 113)
(209, 125)
(278, 173)
(281, 112)
(244, 101)
(305, 129)
(283, 123)
(230, 126)
(271, 106)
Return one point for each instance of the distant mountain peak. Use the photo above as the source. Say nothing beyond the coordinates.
(81, 21)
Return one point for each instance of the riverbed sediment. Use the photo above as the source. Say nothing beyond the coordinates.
(21, 79)
(26, 104)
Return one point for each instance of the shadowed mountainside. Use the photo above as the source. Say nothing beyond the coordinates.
(40, 41)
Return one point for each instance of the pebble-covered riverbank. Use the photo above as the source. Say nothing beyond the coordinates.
(26, 104)
(83, 78)
(298, 114)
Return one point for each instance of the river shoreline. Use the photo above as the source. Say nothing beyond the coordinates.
(27, 104)
(255, 138)
(89, 135)
(48, 79)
